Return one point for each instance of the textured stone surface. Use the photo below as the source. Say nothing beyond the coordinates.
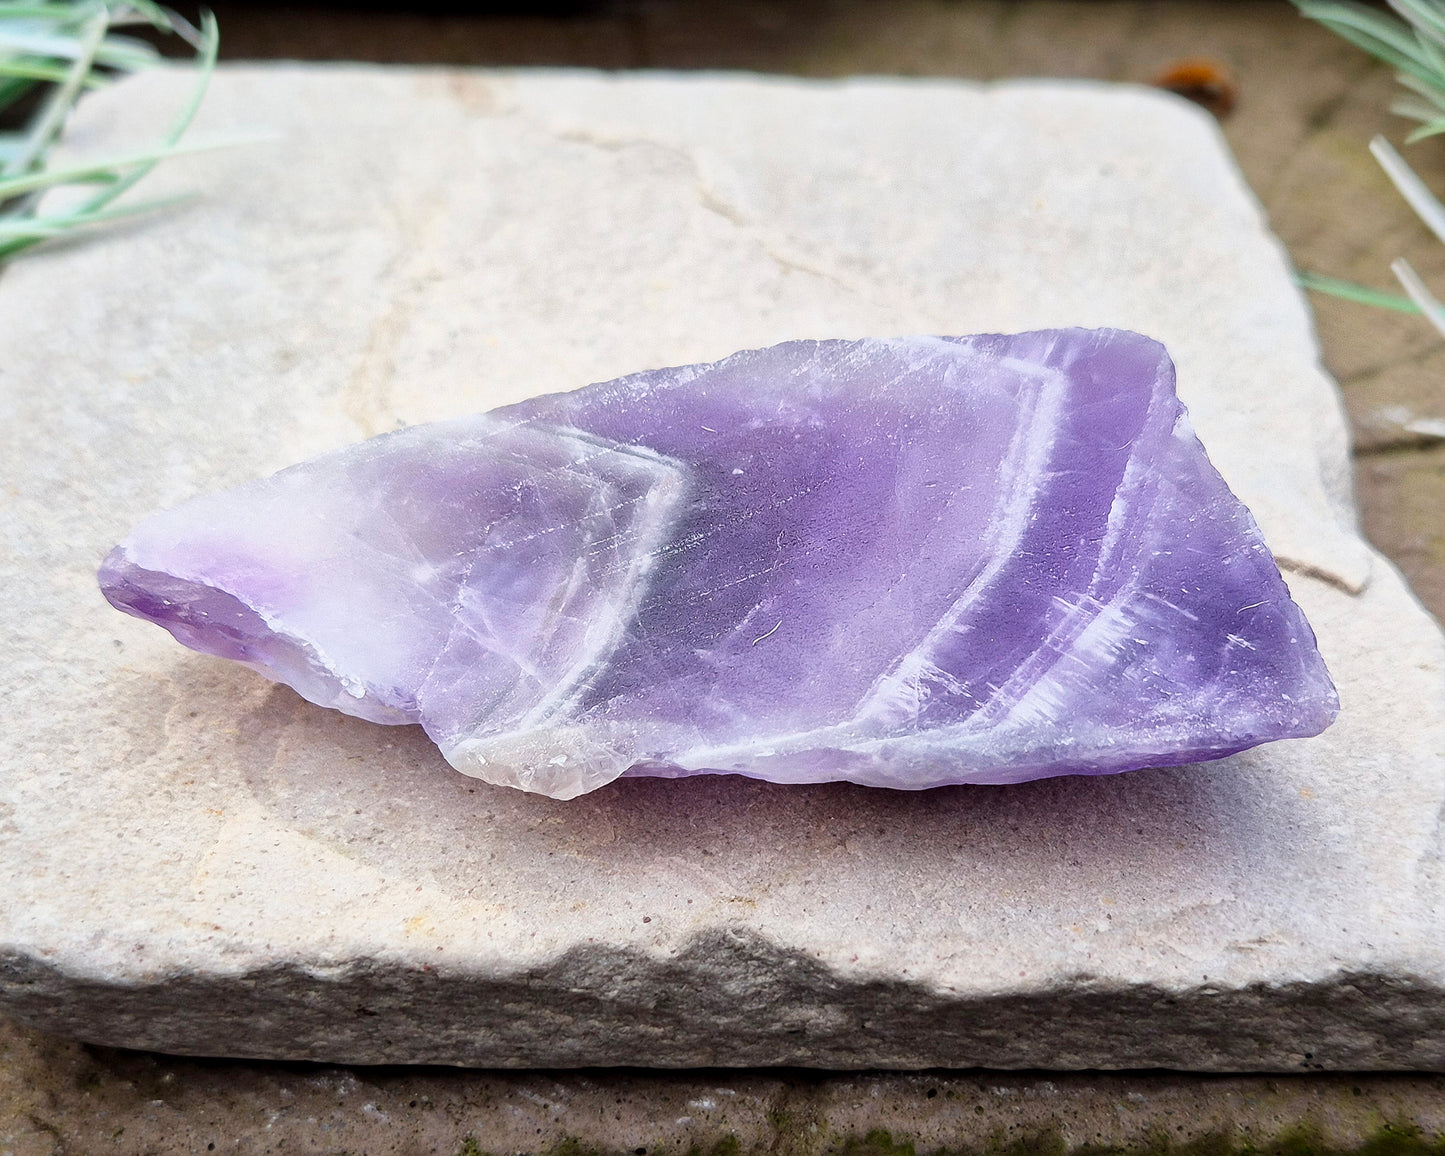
(199, 863)
(57, 1097)
(982, 559)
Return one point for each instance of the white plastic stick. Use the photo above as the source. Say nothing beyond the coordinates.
(1419, 294)
(1411, 187)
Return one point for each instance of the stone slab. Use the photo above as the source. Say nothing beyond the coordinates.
(57, 1097)
(197, 861)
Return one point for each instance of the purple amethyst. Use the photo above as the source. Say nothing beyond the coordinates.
(903, 562)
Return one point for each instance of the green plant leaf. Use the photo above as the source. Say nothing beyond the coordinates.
(1430, 128)
(206, 65)
(1430, 52)
(1414, 46)
(1352, 291)
(1387, 38)
(125, 53)
(44, 228)
(1419, 293)
(63, 44)
(39, 70)
(63, 13)
(47, 123)
(1432, 92)
(13, 88)
(110, 168)
(1413, 108)
(1423, 16)
(1416, 193)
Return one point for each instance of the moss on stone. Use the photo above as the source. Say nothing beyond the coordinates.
(878, 1142)
(1303, 1140)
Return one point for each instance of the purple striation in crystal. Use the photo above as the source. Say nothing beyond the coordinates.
(902, 562)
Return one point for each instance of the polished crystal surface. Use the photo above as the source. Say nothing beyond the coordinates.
(901, 562)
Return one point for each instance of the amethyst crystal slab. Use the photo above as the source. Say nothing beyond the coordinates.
(903, 563)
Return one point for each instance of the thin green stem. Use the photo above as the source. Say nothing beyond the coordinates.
(1426, 205)
(48, 123)
(1414, 46)
(65, 44)
(1352, 291)
(210, 45)
(106, 168)
(1427, 302)
(38, 70)
(43, 228)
